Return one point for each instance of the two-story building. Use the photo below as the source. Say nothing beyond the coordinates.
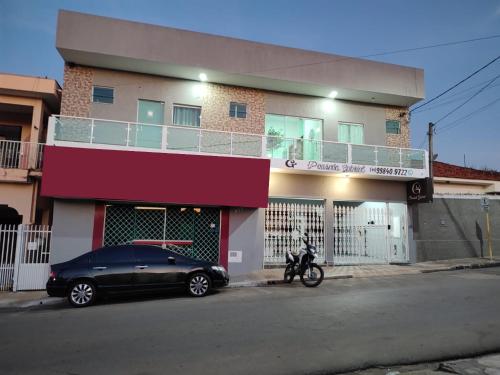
(25, 105)
(228, 148)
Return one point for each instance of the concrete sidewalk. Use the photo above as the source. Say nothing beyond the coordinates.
(10, 300)
(272, 276)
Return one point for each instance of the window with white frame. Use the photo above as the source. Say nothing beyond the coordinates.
(185, 115)
(102, 94)
(237, 110)
(351, 133)
(392, 127)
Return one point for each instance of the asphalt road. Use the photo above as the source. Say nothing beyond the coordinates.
(340, 326)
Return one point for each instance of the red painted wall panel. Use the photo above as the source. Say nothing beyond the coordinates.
(82, 173)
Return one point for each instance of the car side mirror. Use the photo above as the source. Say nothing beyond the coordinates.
(171, 260)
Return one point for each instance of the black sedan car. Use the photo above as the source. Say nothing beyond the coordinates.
(131, 268)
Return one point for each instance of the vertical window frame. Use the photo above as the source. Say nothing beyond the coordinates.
(237, 111)
(174, 105)
(351, 124)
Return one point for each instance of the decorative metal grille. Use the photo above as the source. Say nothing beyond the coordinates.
(286, 221)
(125, 224)
(359, 234)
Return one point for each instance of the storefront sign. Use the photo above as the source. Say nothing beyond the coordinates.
(418, 191)
(318, 166)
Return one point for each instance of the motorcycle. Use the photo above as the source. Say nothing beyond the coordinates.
(311, 274)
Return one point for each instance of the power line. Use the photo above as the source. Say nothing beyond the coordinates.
(457, 84)
(457, 98)
(468, 100)
(329, 61)
(457, 122)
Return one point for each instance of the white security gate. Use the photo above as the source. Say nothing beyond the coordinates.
(286, 220)
(369, 233)
(24, 257)
(8, 241)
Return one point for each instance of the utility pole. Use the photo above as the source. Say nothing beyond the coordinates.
(430, 133)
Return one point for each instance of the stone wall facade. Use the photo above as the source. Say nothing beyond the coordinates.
(215, 109)
(400, 114)
(77, 91)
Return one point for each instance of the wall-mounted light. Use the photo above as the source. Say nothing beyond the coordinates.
(199, 90)
(333, 94)
(203, 77)
(328, 105)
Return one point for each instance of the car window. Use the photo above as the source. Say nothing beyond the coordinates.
(115, 254)
(152, 254)
(82, 259)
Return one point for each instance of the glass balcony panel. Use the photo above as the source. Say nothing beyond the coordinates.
(247, 145)
(72, 129)
(413, 158)
(280, 148)
(363, 154)
(215, 142)
(180, 139)
(388, 157)
(147, 136)
(335, 152)
(110, 133)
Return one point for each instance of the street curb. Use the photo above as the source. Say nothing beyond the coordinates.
(463, 267)
(47, 301)
(261, 283)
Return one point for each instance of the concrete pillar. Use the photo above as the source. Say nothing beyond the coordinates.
(329, 230)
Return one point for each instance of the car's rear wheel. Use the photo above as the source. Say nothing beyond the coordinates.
(199, 285)
(82, 293)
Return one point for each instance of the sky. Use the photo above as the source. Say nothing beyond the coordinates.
(347, 27)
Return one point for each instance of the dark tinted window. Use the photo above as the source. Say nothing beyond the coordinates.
(82, 259)
(103, 95)
(238, 110)
(114, 254)
(152, 254)
(392, 127)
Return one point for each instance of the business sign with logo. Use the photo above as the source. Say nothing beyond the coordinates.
(327, 167)
(418, 191)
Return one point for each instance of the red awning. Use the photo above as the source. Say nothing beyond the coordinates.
(85, 173)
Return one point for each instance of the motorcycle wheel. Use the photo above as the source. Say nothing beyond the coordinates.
(313, 276)
(289, 274)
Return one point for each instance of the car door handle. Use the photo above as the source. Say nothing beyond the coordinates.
(141, 267)
(99, 268)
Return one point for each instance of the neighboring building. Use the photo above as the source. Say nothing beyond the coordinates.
(454, 224)
(25, 106)
(228, 147)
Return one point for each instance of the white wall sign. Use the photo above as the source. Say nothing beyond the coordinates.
(404, 173)
(32, 246)
(235, 256)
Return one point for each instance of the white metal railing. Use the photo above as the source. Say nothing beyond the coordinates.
(21, 155)
(135, 136)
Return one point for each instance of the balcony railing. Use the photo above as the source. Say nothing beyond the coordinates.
(162, 138)
(20, 155)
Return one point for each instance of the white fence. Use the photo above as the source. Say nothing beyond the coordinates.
(22, 155)
(24, 256)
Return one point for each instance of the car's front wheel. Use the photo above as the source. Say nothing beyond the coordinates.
(199, 285)
(82, 293)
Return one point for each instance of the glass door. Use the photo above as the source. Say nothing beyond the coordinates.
(293, 137)
(146, 134)
(397, 232)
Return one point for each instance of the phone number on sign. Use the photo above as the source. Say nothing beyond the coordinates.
(391, 171)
